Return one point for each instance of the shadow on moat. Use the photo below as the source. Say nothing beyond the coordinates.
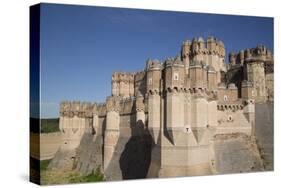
(135, 159)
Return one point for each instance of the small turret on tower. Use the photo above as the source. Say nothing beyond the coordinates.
(185, 54)
(211, 44)
(153, 77)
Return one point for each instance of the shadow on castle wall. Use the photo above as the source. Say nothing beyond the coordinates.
(135, 159)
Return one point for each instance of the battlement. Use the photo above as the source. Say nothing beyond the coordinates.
(257, 54)
(123, 76)
(198, 46)
(173, 62)
(76, 108)
(122, 84)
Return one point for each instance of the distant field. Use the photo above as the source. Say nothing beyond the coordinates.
(47, 125)
(50, 125)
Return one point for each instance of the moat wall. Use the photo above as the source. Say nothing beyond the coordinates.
(49, 145)
(131, 158)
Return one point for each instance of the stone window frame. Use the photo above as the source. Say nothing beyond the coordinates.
(253, 93)
(149, 81)
(225, 98)
(230, 118)
(176, 76)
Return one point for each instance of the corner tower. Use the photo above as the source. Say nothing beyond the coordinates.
(174, 101)
(153, 85)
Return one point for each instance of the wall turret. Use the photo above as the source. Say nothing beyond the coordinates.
(74, 120)
(195, 47)
(112, 129)
(154, 87)
(185, 54)
(122, 84)
(211, 44)
(201, 44)
(153, 77)
(174, 74)
(174, 87)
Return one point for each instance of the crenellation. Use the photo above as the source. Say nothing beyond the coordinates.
(122, 84)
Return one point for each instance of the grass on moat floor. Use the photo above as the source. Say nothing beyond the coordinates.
(49, 177)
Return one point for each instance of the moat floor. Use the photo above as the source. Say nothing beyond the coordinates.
(265, 133)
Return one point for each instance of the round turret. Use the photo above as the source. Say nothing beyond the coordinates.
(201, 43)
(185, 50)
(153, 78)
(174, 73)
(153, 64)
(211, 44)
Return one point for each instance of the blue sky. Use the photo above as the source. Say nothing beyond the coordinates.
(82, 45)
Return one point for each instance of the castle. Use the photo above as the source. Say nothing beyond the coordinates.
(168, 114)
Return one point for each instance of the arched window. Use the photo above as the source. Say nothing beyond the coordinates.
(225, 98)
(176, 76)
(229, 118)
(150, 81)
(253, 93)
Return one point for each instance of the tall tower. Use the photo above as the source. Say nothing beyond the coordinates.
(153, 85)
(154, 105)
(112, 129)
(174, 87)
(254, 70)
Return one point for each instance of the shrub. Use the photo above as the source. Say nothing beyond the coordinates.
(44, 165)
(94, 176)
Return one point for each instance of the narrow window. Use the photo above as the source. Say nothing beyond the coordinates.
(176, 76)
(225, 98)
(150, 81)
(253, 93)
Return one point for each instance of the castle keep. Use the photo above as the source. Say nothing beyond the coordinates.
(161, 122)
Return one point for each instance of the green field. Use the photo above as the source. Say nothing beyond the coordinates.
(49, 125)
